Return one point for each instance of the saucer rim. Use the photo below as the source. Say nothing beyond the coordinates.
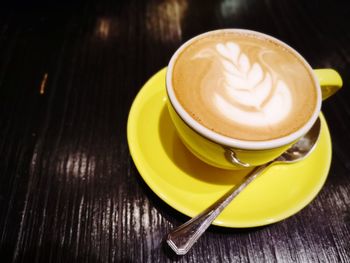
(145, 174)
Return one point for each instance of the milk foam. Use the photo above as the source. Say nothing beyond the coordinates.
(244, 86)
(253, 96)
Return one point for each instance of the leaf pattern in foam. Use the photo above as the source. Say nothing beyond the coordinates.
(248, 84)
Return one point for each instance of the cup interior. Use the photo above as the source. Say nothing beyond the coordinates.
(233, 142)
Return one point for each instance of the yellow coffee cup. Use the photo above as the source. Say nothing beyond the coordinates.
(232, 153)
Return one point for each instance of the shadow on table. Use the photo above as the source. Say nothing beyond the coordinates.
(6, 252)
(48, 252)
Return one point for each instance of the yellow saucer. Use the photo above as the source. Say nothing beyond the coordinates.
(189, 185)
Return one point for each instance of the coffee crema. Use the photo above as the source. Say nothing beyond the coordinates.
(244, 86)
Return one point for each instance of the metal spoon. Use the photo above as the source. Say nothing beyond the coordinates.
(183, 238)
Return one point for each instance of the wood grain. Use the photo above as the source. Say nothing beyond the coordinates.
(69, 71)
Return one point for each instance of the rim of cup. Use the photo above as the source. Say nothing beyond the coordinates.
(228, 141)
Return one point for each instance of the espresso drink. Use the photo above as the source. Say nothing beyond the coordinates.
(244, 85)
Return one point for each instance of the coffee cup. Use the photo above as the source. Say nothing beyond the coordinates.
(240, 98)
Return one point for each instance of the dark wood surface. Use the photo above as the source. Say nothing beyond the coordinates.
(69, 71)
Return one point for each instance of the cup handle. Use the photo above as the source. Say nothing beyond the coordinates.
(330, 81)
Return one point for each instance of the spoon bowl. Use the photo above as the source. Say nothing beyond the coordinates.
(303, 147)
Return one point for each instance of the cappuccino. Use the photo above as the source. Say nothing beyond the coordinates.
(244, 85)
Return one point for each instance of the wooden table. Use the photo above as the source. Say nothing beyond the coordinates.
(69, 71)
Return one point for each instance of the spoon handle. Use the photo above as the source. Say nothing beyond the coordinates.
(183, 237)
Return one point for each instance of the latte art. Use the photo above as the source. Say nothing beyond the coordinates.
(244, 87)
(249, 95)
